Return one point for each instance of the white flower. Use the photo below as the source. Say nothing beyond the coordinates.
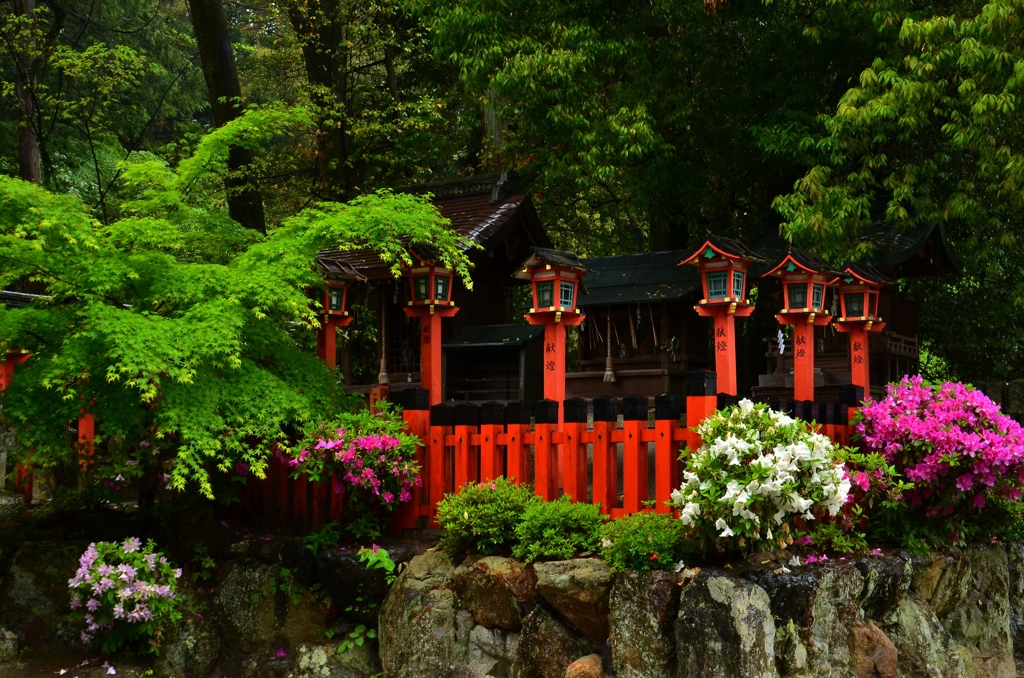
(679, 567)
(769, 535)
(746, 407)
(726, 531)
(690, 513)
(677, 496)
(732, 490)
(606, 543)
(794, 561)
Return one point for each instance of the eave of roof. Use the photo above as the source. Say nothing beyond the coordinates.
(637, 278)
(482, 209)
(494, 335)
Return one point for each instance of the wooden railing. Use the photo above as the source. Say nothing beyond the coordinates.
(465, 443)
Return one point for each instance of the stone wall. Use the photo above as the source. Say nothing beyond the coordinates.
(954, 614)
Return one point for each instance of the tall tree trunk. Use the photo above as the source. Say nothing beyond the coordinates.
(245, 205)
(28, 143)
(318, 26)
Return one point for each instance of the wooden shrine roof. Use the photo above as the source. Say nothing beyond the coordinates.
(635, 278)
(485, 209)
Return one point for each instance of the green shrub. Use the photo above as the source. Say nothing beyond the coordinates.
(643, 542)
(483, 517)
(558, 529)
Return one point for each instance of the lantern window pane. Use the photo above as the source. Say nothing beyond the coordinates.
(818, 296)
(797, 293)
(336, 299)
(421, 287)
(546, 294)
(737, 284)
(441, 287)
(854, 304)
(567, 293)
(874, 303)
(718, 285)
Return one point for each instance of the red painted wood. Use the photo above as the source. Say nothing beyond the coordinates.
(698, 408)
(634, 467)
(544, 467)
(803, 361)
(86, 440)
(492, 465)
(430, 346)
(438, 473)
(574, 456)
(417, 422)
(666, 463)
(465, 457)
(605, 489)
(517, 453)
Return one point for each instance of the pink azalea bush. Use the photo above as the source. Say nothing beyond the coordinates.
(371, 459)
(951, 442)
(124, 594)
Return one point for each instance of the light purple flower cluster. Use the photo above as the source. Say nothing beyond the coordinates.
(952, 442)
(124, 582)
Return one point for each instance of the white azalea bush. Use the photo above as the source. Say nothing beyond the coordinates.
(759, 476)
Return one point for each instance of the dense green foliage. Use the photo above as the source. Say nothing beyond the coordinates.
(186, 335)
(483, 517)
(634, 126)
(558, 530)
(644, 541)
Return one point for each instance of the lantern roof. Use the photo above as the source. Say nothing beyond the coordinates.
(864, 272)
(793, 259)
(542, 256)
(727, 247)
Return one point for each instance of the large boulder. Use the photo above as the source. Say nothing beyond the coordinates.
(189, 649)
(724, 629)
(1015, 562)
(35, 596)
(578, 590)
(12, 506)
(977, 612)
(886, 581)
(925, 649)
(257, 608)
(322, 660)
(547, 647)
(643, 611)
(421, 632)
(815, 607)
(493, 652)
(497, 591)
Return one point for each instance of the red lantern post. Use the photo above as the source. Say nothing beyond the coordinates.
(335, 314)
(555, 278)
(859, 287)
(724, 265)
(430, 300)
(805, 280)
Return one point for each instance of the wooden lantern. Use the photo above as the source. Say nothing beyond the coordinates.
(555, 280)
(805, 281)
(430, 285)
(859, 288)
(430, 300)
(724, 265)
(335, 302)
